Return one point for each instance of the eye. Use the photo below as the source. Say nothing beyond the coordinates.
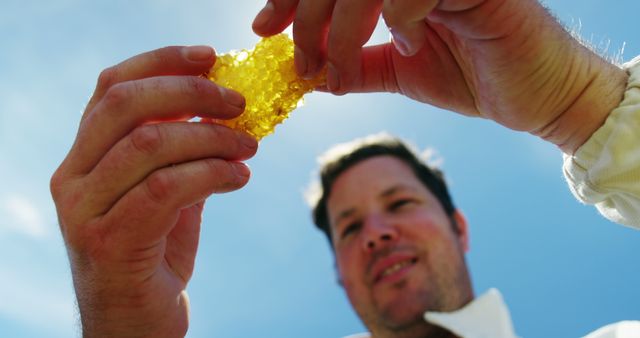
(399, 204)
(350, 228)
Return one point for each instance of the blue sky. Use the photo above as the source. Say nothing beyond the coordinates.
(263, 270)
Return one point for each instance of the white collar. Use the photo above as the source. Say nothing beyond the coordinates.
(485, 317)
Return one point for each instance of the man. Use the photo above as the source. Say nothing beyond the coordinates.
(130, 193)
(398, 240)
(399, 245)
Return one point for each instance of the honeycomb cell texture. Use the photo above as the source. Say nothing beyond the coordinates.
(267, 78)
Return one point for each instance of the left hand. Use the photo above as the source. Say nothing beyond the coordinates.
(130, 193)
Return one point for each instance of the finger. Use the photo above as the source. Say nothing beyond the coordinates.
(439, 81)
(405, 20)
(483, 19)
(310, 29)
(274, 17)
(174, 60)
(459, 6)
(182, 242)
(155, 146)
(378, 70)
(129, 104)
(149, 211)
(346, 40)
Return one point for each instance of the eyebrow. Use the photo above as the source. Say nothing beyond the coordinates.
(345, 214)
(385, 194)
(396, 188)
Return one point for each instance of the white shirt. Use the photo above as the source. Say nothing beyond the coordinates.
(487, 316)
(605, 171)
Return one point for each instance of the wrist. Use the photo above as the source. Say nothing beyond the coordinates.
(598, 87)
(127, 314)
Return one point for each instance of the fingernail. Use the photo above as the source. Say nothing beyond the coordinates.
(240, 169)
(400, 42)
(232, 97)
(247, 140)
(198, 53)
(300, 61)
(333, 79)
(264, 16)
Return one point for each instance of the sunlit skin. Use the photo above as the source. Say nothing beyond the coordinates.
(397, 253)
(130, 193)
(505, 60)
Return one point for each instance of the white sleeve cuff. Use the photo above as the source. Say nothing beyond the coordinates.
(605, 171)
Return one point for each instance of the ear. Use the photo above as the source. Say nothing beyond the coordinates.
(463, 229)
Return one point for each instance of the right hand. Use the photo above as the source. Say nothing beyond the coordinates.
(505, 60)
(130, 193)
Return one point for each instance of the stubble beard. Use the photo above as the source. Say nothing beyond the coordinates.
(393, 323)
(404, 317)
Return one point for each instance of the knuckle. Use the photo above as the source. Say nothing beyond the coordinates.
(106, 79)
(164, 55)
(223, 136)
(302, 25)
(78, 230)
(197, 86)
(214, 167)
(116, 95)
(72, 217)
(306, 38)
(66, 196)
(160, 185)
(56, 185)
(147, 139)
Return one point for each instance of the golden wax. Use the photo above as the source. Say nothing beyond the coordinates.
(267, 78)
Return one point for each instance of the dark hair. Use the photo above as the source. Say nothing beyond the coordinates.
(341, 157)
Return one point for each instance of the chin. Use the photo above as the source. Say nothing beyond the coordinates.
(404, 311)
(404, 318)
(399, 323)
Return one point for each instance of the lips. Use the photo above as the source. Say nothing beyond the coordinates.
(392, 267)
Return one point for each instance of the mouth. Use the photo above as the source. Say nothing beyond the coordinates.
(395, 271)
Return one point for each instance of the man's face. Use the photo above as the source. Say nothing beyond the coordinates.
(397, 253)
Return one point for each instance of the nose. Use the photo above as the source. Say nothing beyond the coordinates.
(378, 233)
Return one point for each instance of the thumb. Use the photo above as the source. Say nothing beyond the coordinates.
(405, 19)
(378, 73)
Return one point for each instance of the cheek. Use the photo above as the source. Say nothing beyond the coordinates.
(348, 283)
(347, 268)
(355, 291)
(428, 226)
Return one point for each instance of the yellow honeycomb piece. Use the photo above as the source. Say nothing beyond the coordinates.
(267, 78)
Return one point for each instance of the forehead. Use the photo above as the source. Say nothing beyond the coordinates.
(370, 178)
